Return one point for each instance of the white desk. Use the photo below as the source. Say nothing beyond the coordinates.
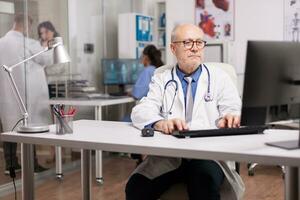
(97, 103)
(90, 134)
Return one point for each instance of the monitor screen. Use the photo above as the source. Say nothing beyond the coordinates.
(271, 80)
(120, 71)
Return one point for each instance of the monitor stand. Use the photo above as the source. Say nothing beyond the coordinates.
(121, 91)
(289, 145)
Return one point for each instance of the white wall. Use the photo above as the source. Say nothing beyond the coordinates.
(177, 12)
(254, 20)
(85, 26)
(94, 22)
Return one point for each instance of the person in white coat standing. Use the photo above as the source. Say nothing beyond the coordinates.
(188, 95)
(15, 46)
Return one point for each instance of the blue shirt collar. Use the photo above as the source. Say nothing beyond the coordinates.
(195, 76)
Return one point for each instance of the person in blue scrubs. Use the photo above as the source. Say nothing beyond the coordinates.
(151, 59)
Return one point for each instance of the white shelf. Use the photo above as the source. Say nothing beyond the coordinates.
(144, 42)
(160, 9)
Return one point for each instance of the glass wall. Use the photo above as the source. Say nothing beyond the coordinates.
(21, 38)
(13, 29)
(25, 28)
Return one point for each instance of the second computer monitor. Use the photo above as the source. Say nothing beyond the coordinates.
(272, 78)
(120, 71)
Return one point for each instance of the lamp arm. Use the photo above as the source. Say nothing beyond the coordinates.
(14, 85)
(23, 61)
(17, 93)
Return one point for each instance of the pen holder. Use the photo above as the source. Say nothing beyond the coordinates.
(64, 124)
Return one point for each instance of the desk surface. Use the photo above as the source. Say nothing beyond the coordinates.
(122, 137)
(92, 102)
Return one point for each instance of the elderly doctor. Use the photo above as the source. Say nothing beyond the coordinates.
(14, 47)
(179, 99)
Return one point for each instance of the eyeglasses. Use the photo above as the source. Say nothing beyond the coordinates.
(189, 44)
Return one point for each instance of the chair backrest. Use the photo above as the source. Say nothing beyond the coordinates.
(229, 69)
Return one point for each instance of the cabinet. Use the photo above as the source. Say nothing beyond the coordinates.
(135, 31)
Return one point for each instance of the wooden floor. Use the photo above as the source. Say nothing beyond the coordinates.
(267, 184)
(44, 159)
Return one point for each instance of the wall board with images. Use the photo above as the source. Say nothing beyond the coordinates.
(215, 18)
(292, 20)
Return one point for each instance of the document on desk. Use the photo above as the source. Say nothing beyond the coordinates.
(92, 96)
(286, 124)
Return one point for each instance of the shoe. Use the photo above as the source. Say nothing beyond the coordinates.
(39, 168)
(17, 169)
(138, 162)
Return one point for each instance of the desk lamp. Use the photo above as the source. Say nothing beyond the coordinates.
(60, 55)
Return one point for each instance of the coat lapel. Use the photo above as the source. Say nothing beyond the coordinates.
(201, 91)
(180, 94)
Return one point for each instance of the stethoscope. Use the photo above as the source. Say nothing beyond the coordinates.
(163, 109)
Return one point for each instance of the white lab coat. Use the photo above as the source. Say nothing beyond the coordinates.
(14, 47)
(205, 114)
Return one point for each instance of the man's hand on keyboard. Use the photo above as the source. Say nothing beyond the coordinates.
(229, 121)
(168, 126)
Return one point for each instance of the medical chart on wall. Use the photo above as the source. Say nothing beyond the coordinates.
(292, 20)
(215, 18)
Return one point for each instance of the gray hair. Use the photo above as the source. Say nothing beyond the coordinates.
(173, 33)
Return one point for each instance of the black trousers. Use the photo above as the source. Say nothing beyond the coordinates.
(10, 154)
(202, 177)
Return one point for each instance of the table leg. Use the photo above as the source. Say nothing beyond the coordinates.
(291, 183)
(27, 172)
(98, 154)
(58, 163)
(58, 159)
(86, 174)
(298, 189)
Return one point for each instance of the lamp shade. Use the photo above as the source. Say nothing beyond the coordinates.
(60, 54)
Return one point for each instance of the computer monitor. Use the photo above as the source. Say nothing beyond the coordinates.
(120, 71)
(272, 78)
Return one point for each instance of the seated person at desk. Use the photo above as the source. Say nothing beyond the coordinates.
(151, 60)
(191, 108)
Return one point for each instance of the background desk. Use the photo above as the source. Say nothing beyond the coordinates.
(90, 134)
(97, 103)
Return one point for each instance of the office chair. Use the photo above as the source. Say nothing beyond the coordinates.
(178, 191)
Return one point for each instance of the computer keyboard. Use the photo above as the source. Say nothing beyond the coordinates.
(244, 130)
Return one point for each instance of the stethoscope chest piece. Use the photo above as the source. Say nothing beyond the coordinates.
(208, 97)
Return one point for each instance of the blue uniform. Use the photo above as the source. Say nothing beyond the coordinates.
(141, 86)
